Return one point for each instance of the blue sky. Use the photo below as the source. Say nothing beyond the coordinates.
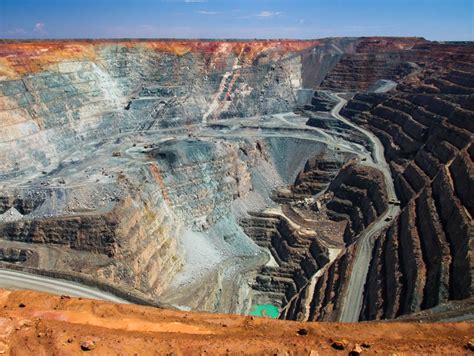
(432, 19)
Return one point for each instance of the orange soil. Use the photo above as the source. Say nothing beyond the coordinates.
(34, 323)
(21, 58)
(155, 171)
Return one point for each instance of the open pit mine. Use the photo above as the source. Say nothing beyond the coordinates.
(323, 180)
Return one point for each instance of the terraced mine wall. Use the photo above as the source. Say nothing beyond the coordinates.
(371, 60)
(159, 167)
(316, 176)
(435, 228)
(297, 256)
(102, 172)
(357, 197)
(425, 257)
(133, 244)
(79, 92)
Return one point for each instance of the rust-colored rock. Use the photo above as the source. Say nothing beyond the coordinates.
(88, 345)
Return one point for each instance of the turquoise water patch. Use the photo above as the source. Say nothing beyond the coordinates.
(267, 310)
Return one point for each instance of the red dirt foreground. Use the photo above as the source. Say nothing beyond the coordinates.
(34, 323)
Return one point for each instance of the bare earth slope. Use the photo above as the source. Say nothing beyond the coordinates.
(41, 324)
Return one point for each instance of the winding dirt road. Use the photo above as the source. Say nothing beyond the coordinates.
(352, 302)
(21, 280)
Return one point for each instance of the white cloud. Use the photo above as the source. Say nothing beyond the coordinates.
(208, 12)
(268, 14)
(40, 28)
(263, 15)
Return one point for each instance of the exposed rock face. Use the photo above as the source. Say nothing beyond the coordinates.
(373, 59)
(17, 255)
(359, 197)
(425, 258)
(316, 176)
(320, 60)
(129, 248)
(300, 239)
(176, 169)
(81, 125)
(49, 89)
(201, 178)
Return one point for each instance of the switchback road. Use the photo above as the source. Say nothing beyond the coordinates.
(352, 302)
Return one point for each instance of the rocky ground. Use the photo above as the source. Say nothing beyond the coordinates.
(41, 324)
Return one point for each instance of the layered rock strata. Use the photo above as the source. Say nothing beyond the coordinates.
(92, 183)
(356, 196)
(132, 163)
(425, 258)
